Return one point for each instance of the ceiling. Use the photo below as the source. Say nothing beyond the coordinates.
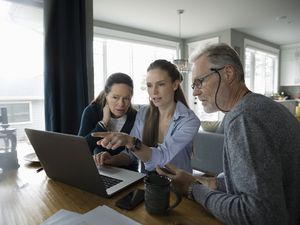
(276, 21)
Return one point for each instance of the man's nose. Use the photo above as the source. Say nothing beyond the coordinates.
(197, 92)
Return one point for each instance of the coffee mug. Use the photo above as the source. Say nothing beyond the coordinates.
(157, 194)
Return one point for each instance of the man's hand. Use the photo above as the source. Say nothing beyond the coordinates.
(210, 182)
(180, 179)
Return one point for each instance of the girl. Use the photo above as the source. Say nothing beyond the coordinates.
(164, 130)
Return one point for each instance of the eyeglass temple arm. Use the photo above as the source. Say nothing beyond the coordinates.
(217, 69)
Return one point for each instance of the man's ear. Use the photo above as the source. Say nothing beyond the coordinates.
(230, 74)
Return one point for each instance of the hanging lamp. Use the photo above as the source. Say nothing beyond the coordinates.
(182, 64)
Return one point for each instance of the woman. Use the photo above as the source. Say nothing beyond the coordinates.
(110, 111)
(166, 127)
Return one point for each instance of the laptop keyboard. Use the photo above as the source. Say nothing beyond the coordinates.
(109, 181)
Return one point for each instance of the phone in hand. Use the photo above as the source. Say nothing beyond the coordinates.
(167, 170)
(131, 200)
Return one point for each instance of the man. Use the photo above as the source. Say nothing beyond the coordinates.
(261, 180)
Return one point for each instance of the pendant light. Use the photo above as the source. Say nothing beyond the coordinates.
(182, 64)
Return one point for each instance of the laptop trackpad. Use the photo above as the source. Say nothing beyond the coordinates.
(127, 176)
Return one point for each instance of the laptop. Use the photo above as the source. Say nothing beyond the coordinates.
(208, 152)
(67, 158)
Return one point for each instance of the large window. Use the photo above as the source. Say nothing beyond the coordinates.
(261, 68)
(111, 56)
(22, 64)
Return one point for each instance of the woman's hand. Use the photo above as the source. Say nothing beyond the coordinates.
(106, 115)
(113, 140)
(103, 158)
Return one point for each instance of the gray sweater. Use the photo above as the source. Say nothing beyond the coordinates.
(261, 180)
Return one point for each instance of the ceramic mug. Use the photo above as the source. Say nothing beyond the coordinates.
(157, 194)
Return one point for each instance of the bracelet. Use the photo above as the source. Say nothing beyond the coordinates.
(190, 189)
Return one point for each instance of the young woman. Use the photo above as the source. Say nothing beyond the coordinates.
(164, 130)
(110, 111)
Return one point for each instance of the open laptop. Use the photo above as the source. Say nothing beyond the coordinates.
(67, 158)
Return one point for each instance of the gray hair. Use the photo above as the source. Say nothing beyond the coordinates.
(221, 54)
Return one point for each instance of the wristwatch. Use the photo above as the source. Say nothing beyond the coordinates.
(137, 144)
(190, 189)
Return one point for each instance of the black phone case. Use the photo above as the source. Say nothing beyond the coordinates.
(131, 200)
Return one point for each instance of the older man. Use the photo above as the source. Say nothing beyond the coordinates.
(261, 180)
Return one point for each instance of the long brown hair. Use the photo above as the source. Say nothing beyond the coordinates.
(115, 78)
(150, 132)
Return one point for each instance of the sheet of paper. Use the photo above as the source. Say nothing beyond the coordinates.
(64, 217)
(101, 215)
(107, 216)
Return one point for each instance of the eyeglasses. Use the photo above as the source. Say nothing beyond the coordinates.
(199, 82)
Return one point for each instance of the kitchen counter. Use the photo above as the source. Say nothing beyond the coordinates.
(290, 104)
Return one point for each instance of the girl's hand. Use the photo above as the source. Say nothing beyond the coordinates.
(103, 158)
(113, 140)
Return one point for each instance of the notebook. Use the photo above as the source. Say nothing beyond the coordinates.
(67, 158)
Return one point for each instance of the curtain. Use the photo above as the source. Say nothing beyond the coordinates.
(68, 62)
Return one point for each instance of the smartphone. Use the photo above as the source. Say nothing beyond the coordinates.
(167, 170)
(131, 200)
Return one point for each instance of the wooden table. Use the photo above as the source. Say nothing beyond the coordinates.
(29, 198)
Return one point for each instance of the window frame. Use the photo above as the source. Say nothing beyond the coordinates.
(20, 102)
(128, 37)
(268, 50)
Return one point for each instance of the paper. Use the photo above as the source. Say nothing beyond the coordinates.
(102, 215)
(107, 216)
(63, 217)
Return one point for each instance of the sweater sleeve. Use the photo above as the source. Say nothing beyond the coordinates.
(88, 125)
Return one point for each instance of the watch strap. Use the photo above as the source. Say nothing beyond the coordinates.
(137, 144)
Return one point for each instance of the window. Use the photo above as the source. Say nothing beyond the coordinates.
(22, 64)
(132, 58)
(17, 112)
(261, 68)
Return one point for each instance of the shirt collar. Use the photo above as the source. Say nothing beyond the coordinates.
(180, 111)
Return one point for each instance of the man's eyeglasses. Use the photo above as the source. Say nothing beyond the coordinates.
(199, 82)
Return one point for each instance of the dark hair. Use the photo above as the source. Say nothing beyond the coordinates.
(150, 132)
(221, 54)
(115, 78)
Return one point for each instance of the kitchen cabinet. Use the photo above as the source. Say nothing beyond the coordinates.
(290, 66)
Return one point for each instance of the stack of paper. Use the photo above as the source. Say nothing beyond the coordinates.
(98, 216)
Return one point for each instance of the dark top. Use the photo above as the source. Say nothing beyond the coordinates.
(91, 115)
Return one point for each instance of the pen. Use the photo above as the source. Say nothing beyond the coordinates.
(39, 169)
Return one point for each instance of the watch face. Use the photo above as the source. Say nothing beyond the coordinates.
(137, 143)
